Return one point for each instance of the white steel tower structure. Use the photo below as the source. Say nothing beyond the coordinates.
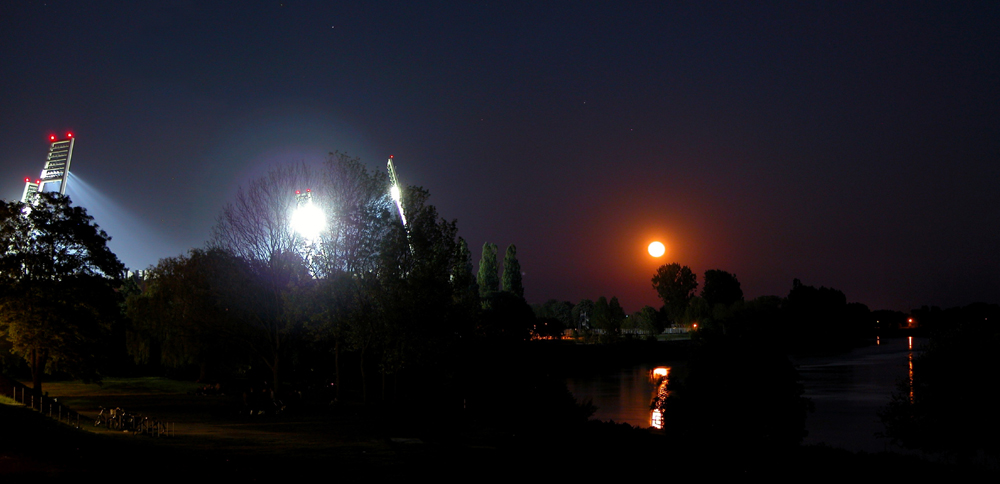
(56, 167)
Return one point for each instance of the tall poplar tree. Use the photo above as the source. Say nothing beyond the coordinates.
(512, 272)
(488, 269)
(464, 284)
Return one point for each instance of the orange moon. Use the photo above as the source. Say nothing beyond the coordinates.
(656, 249)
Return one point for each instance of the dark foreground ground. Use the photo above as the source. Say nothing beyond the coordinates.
(364, 442)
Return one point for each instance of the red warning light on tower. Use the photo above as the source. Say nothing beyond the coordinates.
(26, 179)
(69, 135)
(52, 137)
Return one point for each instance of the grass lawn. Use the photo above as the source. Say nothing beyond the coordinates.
(211, 435)
(118, 386)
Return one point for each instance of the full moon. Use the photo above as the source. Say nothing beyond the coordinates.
(656, 249)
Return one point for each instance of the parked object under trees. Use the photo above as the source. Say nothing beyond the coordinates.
(57, 286)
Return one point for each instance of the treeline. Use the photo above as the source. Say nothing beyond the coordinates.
(807, 319)
(372, 309)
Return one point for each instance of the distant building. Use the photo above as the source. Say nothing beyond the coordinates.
(56, 167)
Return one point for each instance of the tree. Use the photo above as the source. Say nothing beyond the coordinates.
(509, 319)
(645, 320)
(487, 278)
(462, 278)
(616, 313)
(821, 319)
(608, 316)
(410, 322)
(256, 229)
(512, 272)
(256, 226)
(256, 294)
(555, 309)
(582, 314)
(601, 317)
(180, 318)
(721, 287)
(675, 284)
(464, 289)
(57, 295)
(359, 215)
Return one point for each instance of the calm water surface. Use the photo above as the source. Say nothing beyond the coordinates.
(847, 391)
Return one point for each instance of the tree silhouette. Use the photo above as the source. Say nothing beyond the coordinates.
(512, 272)
(179, 318)
(721, 287)
(675, 284)
(488, 268)
(57, 294)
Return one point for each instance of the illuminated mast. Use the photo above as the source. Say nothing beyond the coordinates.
(394, 191)
(397, 196)
(56, 167)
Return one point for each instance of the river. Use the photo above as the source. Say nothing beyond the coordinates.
(847, 391)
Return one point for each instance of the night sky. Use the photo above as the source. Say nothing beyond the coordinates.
(848, 145)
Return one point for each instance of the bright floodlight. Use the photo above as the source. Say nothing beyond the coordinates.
(308, 220)
(398, 198)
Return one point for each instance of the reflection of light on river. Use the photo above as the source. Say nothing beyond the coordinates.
(910, 357)
(660, 377)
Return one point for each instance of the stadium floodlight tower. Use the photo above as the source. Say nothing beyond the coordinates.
(56, 167)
